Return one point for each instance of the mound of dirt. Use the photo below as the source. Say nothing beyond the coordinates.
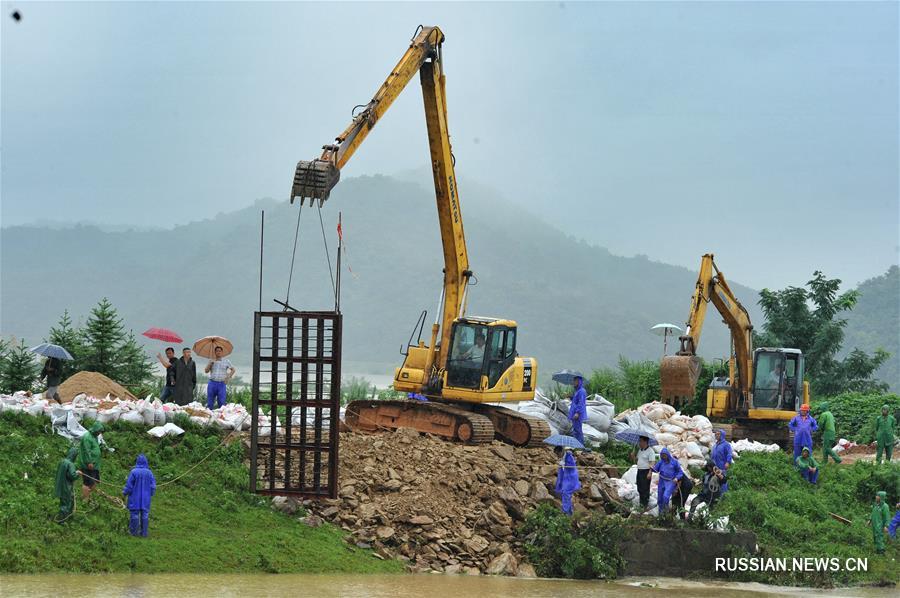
(92, 384)
(448, 507)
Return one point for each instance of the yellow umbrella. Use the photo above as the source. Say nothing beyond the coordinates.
(206, 346)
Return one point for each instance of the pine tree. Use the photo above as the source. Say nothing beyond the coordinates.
(102, 336)
(135, 368)
(69, 338)
(18, 369)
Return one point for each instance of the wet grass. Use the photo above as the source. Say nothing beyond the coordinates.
(206, 522)
(791, 517)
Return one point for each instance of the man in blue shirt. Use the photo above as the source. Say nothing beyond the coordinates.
(220, 371)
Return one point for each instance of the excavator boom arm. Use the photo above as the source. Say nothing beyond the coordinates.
(679, 374)
(315, 179)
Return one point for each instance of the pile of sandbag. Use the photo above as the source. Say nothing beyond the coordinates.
(689, 439)
(556, 413)
(66, 418)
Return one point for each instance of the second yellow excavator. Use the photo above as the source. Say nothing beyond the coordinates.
(764, 386)
(470, 361)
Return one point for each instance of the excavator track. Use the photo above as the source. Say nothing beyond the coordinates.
(515, 428)
(447, 421)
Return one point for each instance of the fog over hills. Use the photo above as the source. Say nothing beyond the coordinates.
(577, 305)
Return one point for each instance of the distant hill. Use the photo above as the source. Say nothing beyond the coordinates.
(577, 305)
(875, 322)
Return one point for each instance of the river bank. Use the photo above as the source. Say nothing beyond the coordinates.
(206, 521)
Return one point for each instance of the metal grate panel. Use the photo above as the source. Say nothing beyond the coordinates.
(296, 378)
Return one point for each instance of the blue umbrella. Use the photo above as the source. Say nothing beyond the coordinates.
(564, 441)
(632, 436)
(49, 350)
(567, 377)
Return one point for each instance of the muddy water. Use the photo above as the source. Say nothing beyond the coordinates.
(383, 586)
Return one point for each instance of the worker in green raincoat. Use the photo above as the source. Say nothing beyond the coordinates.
(884, 434)
(879, 519)
(89, 459)
(65, 477)
(829, 437)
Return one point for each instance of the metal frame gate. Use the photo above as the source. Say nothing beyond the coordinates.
(297, 386)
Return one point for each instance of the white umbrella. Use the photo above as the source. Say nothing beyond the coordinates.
(664, 330)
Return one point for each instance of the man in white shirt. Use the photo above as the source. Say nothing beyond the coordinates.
(220, 372)
(476, 352)
(644, 456)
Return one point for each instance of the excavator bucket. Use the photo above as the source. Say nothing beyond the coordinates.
(678, 376)
(314, 180)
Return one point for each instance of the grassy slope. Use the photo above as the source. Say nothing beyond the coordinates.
(791, 517)
(205, 522)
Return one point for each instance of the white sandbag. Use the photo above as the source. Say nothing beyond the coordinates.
(148, 414)
(630, 476)
(108, 416)
(165, 430)
(693, 450)
(602, 405)
(593, 435)
(59, 415)
(35, 409)
(74, 427)
(132, 417)
(597, 419)
(701, 422)
(682, 421)
(616, 426)
(665, 439)
(698, 463)
(264, 426)
(671, 429)
(201, 421)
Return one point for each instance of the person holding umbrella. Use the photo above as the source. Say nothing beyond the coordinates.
(567, 481)
(52, 367)
(168, 362)
(220, 372)
(578, 407)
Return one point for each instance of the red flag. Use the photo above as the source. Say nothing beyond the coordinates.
(340, 233)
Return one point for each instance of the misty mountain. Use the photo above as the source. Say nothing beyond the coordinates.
(875, 323)
(577, 305)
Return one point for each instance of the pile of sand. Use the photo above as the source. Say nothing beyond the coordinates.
(92, 384)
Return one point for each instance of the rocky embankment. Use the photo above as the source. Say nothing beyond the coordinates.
(446, 507)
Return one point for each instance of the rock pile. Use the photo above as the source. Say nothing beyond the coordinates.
(446, 507)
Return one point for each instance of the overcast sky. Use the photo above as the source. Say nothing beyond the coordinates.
(764, 132)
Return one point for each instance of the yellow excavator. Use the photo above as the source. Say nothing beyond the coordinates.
(764, 387)
(470, 361)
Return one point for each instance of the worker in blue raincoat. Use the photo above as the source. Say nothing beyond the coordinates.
(723, 456)
(567, 481)
(140, 488)
(578, 409)
(670, 475)
(802, 425)
(895, 522)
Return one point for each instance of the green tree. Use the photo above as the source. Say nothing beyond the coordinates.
(18, 368)
(69, 338)
(808, 319)
(134, 367)
(102, 335)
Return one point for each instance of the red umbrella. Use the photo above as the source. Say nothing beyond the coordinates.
(163, 334)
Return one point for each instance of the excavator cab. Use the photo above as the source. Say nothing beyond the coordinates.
(481, 352)
(778, 379)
